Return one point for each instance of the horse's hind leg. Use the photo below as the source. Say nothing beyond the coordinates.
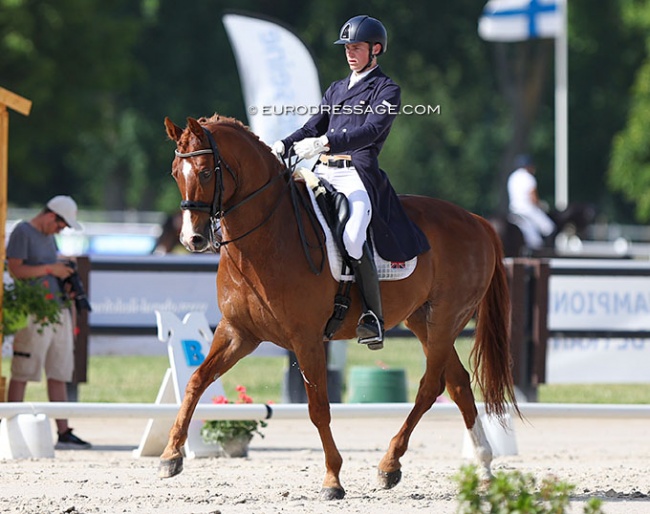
(431, 385)
(312, 361)
(225, 352)
(460, 391)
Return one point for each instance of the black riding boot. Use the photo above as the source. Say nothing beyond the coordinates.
(370, 329)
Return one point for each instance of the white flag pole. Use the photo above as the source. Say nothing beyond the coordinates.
(561, 112)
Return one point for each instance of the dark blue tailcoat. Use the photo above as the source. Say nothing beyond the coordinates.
(357, 122)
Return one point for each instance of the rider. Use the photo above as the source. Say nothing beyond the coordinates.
(524, 201)
(349, 130)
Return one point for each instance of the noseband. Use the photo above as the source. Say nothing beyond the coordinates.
(215, 209)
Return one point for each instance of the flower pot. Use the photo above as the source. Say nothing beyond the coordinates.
(237, 446)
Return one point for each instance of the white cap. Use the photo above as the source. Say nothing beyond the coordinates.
(65, 207)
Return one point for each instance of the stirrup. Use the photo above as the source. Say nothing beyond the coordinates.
(370, 331)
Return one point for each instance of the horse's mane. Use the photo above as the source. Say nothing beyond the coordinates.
(218, 119)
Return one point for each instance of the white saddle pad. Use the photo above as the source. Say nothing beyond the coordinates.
(386, 270)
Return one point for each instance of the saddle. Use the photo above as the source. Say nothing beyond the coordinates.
(333, 212)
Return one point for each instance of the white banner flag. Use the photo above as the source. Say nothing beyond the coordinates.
(278, 76)
(519, 20)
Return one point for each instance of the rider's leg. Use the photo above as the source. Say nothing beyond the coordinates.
(371, 324)
(370, 329)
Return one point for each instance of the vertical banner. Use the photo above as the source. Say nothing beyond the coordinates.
(278, 76)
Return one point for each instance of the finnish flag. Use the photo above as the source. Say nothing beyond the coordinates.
(519, 20)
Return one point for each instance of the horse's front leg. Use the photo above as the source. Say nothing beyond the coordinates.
(313, 365)
(226, 350)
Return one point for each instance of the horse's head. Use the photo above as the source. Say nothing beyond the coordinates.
(212, 179)
(199, 173)
(575, 219)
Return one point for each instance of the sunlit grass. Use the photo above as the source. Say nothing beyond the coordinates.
(138, 378)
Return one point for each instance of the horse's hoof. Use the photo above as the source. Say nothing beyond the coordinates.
(170, 467)
(332, 493)
(485, 481)
(389, 479)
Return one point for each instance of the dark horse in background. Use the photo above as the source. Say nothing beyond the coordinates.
(169, 239)
(574, 220)
(268, 291)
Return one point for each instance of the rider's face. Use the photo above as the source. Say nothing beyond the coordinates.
(357, 55)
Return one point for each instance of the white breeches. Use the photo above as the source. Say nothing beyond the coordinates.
(536, 224)
(347, 181)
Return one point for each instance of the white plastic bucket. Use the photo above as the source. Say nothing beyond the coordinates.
(501, 437)
(26, 436)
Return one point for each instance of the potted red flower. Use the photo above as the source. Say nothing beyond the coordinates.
(233, 436)
(24, 298)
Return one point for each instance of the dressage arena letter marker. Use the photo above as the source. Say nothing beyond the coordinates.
(192, 351)
(187, 344)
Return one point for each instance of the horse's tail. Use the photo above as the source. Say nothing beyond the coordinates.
(491, 359)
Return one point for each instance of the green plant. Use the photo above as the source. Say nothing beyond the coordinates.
(217, 431)
(23, 298)
(515, 493)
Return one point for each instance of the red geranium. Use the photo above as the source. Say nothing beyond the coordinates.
(217, 431)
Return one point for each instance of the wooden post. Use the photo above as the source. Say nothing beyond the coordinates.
(528, 281)
(81, 341)
(540, 320)
(23, 106)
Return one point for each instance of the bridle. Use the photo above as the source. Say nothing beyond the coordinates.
(215, 209)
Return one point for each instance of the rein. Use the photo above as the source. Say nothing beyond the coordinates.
(216, 212)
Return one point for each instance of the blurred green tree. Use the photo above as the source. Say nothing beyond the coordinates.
(629, 170)
(103, 75)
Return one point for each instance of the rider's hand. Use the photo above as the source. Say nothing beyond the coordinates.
(278, 148)
(311, 147)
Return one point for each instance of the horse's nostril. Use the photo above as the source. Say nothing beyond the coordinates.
(197, 239)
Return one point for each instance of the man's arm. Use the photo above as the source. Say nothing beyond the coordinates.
(20, 270)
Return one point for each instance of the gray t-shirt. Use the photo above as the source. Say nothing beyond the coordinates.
(35, 249)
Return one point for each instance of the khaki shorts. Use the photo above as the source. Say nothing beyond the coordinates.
(53, 350)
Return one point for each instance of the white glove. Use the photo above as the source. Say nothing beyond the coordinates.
(311, 147)
(278, 148)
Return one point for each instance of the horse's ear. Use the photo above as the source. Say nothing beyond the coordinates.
(173, 131)
(196, 128)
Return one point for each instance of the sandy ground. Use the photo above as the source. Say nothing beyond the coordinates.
(604, 458)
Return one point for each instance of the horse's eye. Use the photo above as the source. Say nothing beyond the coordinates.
(205, 174)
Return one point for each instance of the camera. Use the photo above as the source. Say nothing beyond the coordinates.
(77, 287)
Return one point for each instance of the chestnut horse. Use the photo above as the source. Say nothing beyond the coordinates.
(269, 291)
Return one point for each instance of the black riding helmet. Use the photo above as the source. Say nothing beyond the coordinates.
(362, 29)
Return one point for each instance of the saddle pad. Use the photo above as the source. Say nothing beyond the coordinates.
(386, 270)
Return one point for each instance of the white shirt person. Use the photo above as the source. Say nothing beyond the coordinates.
(534, 223)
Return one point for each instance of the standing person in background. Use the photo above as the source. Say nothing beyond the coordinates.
(524, 201)
(32, 254)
